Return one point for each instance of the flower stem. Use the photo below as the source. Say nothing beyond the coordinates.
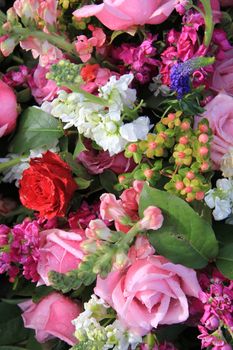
(53, 39)
(8, 164)
(209, 23)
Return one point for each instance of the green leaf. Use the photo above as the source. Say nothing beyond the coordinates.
(80, 147)
(41, 292)
(36, 129)
(82, 183)
(77, 168)
(12, 330)
(225, 260)
(11, 348)
(184, 237)
(108, 179)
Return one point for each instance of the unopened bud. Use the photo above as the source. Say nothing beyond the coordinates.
(133, 147)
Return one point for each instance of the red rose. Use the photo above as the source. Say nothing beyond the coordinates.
(47, 186)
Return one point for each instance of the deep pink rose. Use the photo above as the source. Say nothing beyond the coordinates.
(8, 111)
(225, 3)
(98, 161)
(42, 89)
(219, 112)
(51, 317)
(123, 14)
(150, 292)
(59, 251)
(222, 79)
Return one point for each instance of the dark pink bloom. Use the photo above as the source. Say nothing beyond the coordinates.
(42, 89)
(98, 161)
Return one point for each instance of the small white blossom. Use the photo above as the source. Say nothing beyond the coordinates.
(15, 173)
(100, 123)
(221, 199)
(118, 94)
(137, 130)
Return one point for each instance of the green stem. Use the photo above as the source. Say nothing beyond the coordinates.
(209, 23)
(10, 163)
(54, 39)
(128, 239)
(90, 97)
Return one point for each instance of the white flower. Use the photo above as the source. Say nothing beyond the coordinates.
(120, 336)
(137, 130)
(118, 94)
(222, 209)
(15, 173)
(210, 199)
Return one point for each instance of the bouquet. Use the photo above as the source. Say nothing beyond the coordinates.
(116, 170)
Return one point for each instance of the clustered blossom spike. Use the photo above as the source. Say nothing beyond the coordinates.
(217, 320)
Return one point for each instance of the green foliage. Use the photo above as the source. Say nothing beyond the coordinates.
(65, 282)
(36, 129)
(108, 179)
(12, 330)
(89, 345)
(184, 237)
(224, 260)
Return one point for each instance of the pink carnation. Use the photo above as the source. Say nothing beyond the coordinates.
(154, 289)
(42, 89)
(123, 14)
(51, 317)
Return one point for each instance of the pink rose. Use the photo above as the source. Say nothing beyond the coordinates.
(98, 161)
(59, 251)
(152, 289)
(219, 112)
(123, 14)
(42, 89)
(225, 3)
(222, 78)
(51, 317)
(8, 111)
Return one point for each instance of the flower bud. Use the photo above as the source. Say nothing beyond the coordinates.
(203, 138)
(152, 220)
(132, 148)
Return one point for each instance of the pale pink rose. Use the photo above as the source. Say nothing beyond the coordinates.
(152, 289)
(152, 220)
(219, 112)
(59, 251)
(42, 89)
(8, 111)
(51, 317)
(123, 14)
(222, 79)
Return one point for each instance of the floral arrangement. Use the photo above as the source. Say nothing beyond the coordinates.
(116, 169)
